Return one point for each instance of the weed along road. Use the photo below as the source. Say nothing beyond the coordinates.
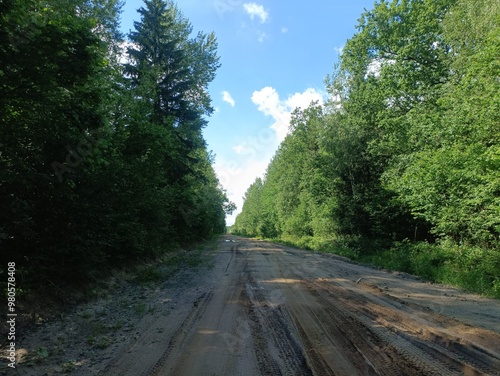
(265, 309)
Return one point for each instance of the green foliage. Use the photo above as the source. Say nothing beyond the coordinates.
(247, 222)
(102, 164)
(474, 269)
(453, 181)
(149, 275)
(407, 148)
(454, 188)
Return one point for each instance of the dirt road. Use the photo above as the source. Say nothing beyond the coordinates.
(265, 309)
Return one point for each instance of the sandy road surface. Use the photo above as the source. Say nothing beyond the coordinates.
(271, 310)
(265, 309)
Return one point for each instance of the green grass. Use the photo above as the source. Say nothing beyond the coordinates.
(471, 268)
(149, 274)
(200, 255)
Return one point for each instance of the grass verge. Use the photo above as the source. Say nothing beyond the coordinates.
(471, 268)
(166, 266)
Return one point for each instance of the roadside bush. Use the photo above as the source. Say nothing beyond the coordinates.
(303, 242)
(471, 268)
(474, 269)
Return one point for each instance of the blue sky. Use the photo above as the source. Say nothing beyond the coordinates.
(275, 56)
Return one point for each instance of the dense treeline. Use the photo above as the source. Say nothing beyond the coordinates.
(402, 166)
(102, 163)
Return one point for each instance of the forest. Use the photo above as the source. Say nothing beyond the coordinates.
(102, 159)
(401, 167)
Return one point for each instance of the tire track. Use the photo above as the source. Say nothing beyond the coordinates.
(446, 356)
(278, 352)
(354, 349)
(272, 310)
(199, 306)
(234, 249)
(354, 327)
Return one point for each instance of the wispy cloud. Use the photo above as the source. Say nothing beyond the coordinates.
(262, 37)
(236, 177)
(269, 103)
(226, 97)
(256, 10)
(284, 29)
(239, 149)
(252, 155)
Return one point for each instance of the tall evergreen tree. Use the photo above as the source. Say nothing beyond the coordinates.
(178, 66)
(95, 169)
(169, 71)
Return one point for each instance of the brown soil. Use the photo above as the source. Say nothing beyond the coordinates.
(265, 309)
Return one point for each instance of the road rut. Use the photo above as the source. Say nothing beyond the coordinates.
(274, 310)
(267, 309)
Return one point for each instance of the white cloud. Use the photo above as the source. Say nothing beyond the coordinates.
(226, 97)
(253, 154)
(284, 30)
(236, 178)
(239, 149)
(123, 56)
(256, 10)
(269, 103)
(262, 36)
(339, 50)
(304, 99)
